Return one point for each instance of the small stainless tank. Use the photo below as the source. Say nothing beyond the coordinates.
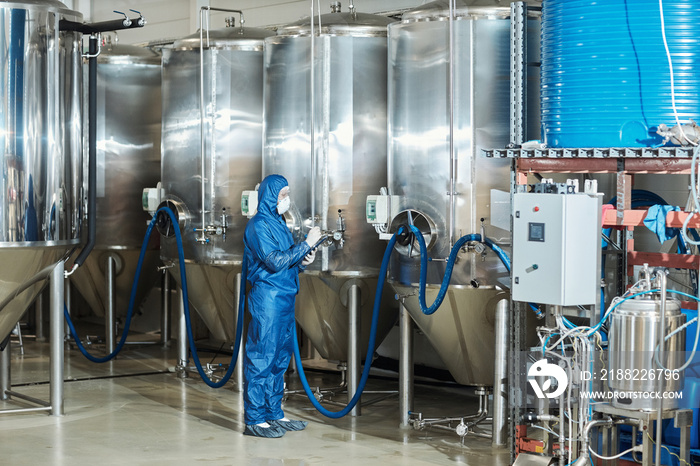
(128, 160)
(40, 145)
(209, 196)
(329, 185)
(420, 165)
(633, 337)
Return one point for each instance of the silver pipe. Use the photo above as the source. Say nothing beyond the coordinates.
(67, 303)
(451, 99)
(5, 379)
(57, 336)
(182, 355)
(354, 353)
(500, 383)
(238, 377)
(325, 202)
(312, 103)
(583, 452)
(165, 309)
(24, 410)
(39, 317)
(203, 158)
(31, 399)
(405, 366)
(562, 436)
(110, 302)
(661, 274)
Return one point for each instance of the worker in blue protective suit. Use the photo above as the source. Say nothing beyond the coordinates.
(274, 263)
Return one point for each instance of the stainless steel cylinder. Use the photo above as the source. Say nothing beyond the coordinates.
(354, 353)
(405, 366)
(40, 150)
(57, 335)
(500, 379)
(39, 317)
(110, 303)
(165, 300)
(633, 338)
(182, 348)
(5, 374)
(128, 129)
(209, 159)
(238, 375)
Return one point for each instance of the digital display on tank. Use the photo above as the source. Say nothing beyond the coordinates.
(536, 232)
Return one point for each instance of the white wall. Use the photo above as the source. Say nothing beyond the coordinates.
(169, 19)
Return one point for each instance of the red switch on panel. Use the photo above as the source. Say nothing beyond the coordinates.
(536, 209)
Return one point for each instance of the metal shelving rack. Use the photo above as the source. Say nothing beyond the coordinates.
(624, 162)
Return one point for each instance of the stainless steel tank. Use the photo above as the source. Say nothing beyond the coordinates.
(204, 188)
(448, 197)
(40, 140)
(128, 160)
(633, 337)
(333, 158)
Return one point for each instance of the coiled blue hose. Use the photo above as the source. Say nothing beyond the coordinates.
(185, 298)
(450, 266)
(370, 345)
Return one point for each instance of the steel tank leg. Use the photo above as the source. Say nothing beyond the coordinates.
(39, 317)
(110, 304)
(405, 366)
(354, 354)
(238, 378)
(5, 381)
(67, 304)
(165, 310)
(57, 335)
(500, 382)
(182, 353)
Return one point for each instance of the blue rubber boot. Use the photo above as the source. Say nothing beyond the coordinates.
(266, 432)
(289, 425)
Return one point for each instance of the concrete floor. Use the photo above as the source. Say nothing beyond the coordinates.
(135, 411)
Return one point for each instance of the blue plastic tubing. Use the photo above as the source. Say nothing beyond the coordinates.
(605, 74)
(375, 313)
(183, 278)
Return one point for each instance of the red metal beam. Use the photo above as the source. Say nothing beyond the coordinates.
(673, 261)
(635, 218)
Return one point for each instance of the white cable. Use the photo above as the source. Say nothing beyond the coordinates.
(619, 455)
(670, 68)
(694, 195)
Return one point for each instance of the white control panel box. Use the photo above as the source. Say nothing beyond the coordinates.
(381, 209)
(249, 203)
(556, 248)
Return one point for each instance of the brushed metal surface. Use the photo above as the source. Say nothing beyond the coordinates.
(40, 145)
(233, 91)
(349, 159)
(322, 312)
(128, 160)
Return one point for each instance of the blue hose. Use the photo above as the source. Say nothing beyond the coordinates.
(185, 298)
(370, 346)
(450, 266)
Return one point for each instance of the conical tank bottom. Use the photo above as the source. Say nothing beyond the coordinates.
(462, 330)
(322, 312)
(89, 279)
(21, 264)
(211, 289)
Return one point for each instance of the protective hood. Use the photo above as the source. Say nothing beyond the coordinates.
(268, 192)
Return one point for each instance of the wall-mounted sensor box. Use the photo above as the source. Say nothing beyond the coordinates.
(249, 203)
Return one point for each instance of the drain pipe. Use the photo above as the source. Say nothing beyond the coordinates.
(94, 30)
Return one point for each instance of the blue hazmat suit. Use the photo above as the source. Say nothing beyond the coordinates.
(274, 263)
